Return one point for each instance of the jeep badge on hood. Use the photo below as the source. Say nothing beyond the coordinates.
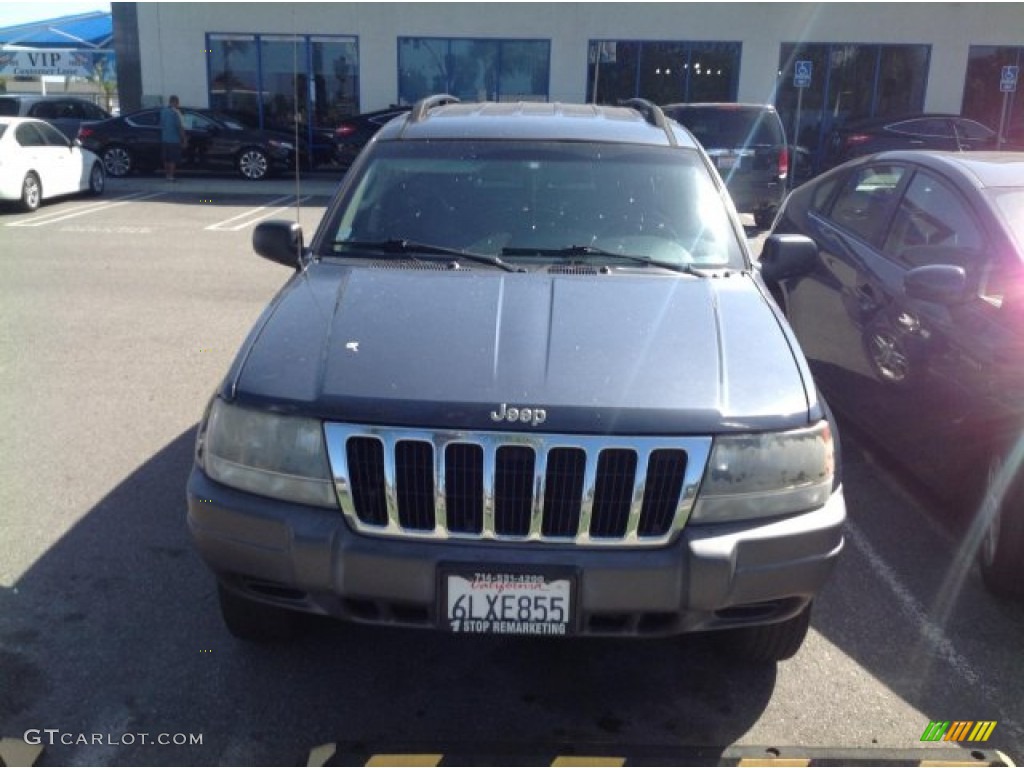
(532, 416)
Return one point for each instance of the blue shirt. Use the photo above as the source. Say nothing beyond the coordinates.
(170, 126)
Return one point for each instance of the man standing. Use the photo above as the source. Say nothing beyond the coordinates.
(172, 135)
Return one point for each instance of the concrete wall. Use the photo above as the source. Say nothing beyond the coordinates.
(173, 35)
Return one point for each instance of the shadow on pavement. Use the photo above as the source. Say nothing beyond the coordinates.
(116, 631)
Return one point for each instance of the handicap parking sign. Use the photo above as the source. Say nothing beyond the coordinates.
(802, 74)
(1008, 79)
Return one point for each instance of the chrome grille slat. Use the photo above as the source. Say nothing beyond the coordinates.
(539, 490)
(390, 482)
(583, 490)
(639, 488)
(440, 492)
(490, 470)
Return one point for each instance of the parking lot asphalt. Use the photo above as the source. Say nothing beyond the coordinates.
(119, 317)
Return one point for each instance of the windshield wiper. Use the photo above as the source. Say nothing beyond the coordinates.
(407, 247)
(590, 250)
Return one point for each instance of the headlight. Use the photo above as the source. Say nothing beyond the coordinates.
(761, 475)
(281, 144)
(266, 453)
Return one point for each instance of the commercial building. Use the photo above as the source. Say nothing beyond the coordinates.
(832, 62)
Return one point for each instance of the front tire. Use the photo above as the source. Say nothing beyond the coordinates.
(770, 643)
(31, 192)
(255, 622)
(97, 179)
(253, 163)
(117, 161)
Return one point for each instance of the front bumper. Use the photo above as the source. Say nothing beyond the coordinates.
(712, 577)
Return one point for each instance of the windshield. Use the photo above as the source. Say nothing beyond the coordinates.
(728, 126)
(541, 202)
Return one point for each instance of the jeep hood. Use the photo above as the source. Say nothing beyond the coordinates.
(604, 353)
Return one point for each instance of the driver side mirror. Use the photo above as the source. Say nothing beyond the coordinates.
(944, 284)
(280, 242)
(786, 256)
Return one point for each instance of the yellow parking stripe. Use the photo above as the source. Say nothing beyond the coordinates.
(405, 760)
(18, 752)
(580, 760)
(318, 756)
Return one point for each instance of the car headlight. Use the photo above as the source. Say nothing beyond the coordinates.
(281, 145)
(269, 454)
(763, 475)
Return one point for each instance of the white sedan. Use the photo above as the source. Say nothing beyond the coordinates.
(38, 162)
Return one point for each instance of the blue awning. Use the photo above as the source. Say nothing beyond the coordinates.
(83, 30)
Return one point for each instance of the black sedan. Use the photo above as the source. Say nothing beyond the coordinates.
(132, 143)
(912, 318)
(354, 132)
(919, 131)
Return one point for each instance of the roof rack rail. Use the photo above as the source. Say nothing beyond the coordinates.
(424, 105)
(652, 114)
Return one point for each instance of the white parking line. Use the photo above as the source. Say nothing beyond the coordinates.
(52, 218)
(248, 218)
(936, 642)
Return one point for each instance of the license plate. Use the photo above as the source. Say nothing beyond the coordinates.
(508, 603)
(728, 162)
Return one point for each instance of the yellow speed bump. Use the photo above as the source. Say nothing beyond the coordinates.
(18, 752)
(401, 761)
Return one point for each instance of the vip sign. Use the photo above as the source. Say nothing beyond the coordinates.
(37, 63)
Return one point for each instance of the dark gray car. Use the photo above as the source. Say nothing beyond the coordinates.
(913, 321)
(66, 113)
(524, 380)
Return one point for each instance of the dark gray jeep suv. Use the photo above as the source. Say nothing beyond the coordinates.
(525, 379)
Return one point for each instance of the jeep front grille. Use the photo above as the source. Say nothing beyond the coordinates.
(518, 487)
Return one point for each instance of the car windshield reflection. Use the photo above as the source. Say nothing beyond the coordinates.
(542, 203)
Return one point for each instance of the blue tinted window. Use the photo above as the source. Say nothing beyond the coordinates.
(473, 69)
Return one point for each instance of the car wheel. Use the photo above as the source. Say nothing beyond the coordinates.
(253, 163)
(97, 179)
(891, 354)
(1001, 554)
(252, 621)
(31, 192)
(770, 642)
(117, 161)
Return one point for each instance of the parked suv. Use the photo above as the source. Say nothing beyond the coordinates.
(524, 380)
(747, 143)
(65, 113)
